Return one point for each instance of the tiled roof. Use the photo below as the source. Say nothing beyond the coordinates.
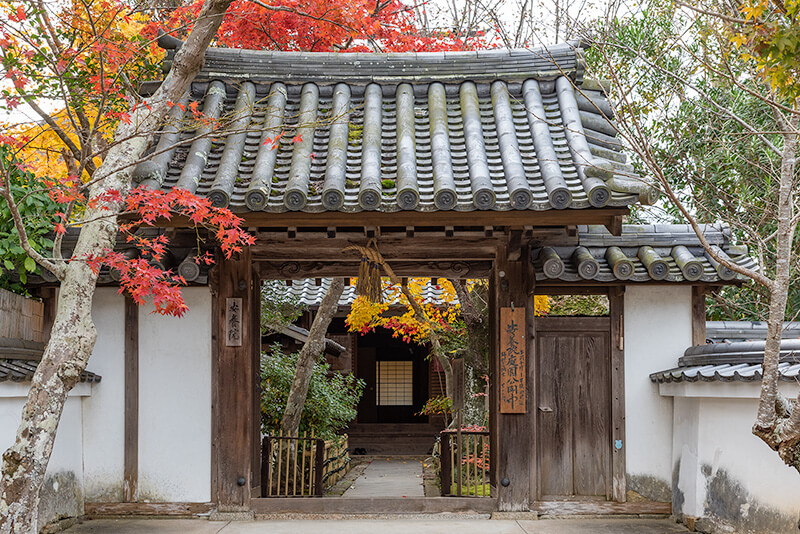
(23, 370)
(308, 293)
(492, 130)
(747, 330)
(731, 361)
(19, 359)
(301, 334)
(642, 253)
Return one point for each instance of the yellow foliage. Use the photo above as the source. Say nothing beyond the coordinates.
(365, 316)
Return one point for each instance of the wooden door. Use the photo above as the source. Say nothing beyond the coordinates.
(574, 408)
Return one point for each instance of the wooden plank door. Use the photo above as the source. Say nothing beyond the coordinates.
(574, 413)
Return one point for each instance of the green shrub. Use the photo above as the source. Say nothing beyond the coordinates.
(331, 402)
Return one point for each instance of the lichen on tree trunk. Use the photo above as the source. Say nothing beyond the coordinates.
(312, 348)
(73, 333)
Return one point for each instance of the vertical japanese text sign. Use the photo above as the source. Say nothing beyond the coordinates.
(233, 322)
(513, 365)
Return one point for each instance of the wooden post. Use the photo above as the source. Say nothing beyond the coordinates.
(130, 486)
(319, 490)
(530, 279)
(266, 463)
(255, 321)
(616, 300)
(233, 409)
(698, 315)
(513, 459)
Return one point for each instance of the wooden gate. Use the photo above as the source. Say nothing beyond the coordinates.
(573, 408)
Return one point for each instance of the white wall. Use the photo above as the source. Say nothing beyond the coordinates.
(657, 330)
(103, 412)
(62, 493)
(727, 476)
(175, 402)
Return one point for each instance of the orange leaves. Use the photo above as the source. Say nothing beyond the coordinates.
(326, 26)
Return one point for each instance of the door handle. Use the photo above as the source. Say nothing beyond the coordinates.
(545, 409)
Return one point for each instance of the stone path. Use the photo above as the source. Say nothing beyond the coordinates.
(366, 526)
(389, 477)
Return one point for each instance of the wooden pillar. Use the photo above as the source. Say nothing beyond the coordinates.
(533, 394)
(255, 318)
(698, 315)
(234, 374)
(513, 459)
(130, 487)
(616, 300)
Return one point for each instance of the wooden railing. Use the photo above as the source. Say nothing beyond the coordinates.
(301, 466)
(464, 471)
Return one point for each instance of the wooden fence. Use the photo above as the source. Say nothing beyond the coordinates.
(21, 317)
(464, 472)
(302, 466)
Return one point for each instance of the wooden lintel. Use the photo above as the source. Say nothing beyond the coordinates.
(422, 248)
(614, 225)
(516, 218)
(296, 270)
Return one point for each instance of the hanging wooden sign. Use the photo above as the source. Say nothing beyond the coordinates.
(513, 361)
(233, 322)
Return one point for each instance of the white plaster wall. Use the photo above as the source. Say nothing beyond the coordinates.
(727, 475)
(175, 402)
(103, 412)
(62, 493)
(657, 330)
(726, 442)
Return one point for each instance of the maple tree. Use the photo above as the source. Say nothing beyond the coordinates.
(450, 323)
(88, 56)
(330, 26)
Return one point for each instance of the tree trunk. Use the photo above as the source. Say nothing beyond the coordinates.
(73, 333)
(313, 347)
(778, 424)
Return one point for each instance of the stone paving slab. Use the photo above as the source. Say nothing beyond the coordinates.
(389, 477)
(366, 526)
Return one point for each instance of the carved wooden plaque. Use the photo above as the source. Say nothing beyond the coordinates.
(513, 363)
(233, 322)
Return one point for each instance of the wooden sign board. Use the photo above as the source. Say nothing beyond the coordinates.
(233, 322)
(513, 361)
(458, 384)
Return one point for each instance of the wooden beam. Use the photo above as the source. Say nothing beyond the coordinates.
(234, 376)
(101, 509)
(590, 507)
(614, 226)
(130, 485)
(616, 302)
(699, 315)
(517, 218)
(423, 248)
(296, 270)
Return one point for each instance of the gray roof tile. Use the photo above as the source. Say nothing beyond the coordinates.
(670, 253)
(390, 132)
